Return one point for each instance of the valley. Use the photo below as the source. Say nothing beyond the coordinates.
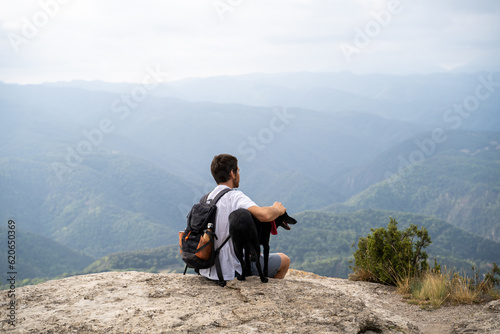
(104, 189)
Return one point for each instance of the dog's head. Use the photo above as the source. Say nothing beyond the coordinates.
(284, 220)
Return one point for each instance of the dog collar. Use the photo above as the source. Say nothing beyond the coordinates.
(274, 230)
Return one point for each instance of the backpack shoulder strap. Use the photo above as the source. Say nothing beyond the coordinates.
(216, 199)
(218, 267)
(204, 198)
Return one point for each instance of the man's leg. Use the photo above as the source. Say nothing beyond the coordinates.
(278, 265)
(285, 263)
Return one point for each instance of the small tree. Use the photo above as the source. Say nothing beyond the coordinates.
(389, 255)
(490, 279)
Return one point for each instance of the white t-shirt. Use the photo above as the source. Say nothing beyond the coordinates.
(231, 201)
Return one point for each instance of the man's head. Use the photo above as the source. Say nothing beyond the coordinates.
(224, 168)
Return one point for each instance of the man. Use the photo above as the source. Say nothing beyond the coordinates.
(226, 174)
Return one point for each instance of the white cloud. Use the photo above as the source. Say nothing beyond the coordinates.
(115, 40)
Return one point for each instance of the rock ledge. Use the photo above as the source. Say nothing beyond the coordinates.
(136, 302)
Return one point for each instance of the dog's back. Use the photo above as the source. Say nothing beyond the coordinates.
(242, 228)
(245, 237)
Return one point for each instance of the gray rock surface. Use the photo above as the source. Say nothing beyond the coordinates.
(135, 302)
(488, 321)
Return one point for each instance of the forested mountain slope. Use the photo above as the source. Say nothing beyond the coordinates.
(460, 184)
(36, 256)
(109, 203)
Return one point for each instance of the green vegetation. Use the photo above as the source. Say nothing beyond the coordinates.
(110, 203)
(387, 255)
(395, 257)
(460, 184)
(320, 242)
(39, 258)
(164, 258)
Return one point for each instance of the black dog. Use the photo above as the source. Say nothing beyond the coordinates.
(247, 233)
(264, 231)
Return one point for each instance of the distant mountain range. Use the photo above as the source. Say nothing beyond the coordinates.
(416, 98)
(99, 168)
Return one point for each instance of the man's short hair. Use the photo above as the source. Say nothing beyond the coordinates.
(221, 167)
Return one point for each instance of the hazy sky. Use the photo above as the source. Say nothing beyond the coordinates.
(111, 40)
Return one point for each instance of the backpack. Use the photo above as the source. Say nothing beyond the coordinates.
(197, 240)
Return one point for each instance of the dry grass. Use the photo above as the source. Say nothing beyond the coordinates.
(361, 274)
(428, 291)
(403, 286)
(433, 289)
(462, 290)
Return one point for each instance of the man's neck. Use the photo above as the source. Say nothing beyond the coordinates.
(228, 184)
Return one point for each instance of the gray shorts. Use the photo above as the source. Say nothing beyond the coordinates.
(273, 267)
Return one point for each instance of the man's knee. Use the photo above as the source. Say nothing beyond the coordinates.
(285, 260)
(285, 263)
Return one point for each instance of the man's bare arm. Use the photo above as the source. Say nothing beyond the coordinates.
(267, 213)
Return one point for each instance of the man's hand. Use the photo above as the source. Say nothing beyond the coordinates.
(278, 206)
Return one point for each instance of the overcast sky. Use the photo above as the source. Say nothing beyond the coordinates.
(116, 40)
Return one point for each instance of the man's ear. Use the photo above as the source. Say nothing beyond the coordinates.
(232, 175)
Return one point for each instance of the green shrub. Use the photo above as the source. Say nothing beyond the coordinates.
(389, 255)
(490, 279)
